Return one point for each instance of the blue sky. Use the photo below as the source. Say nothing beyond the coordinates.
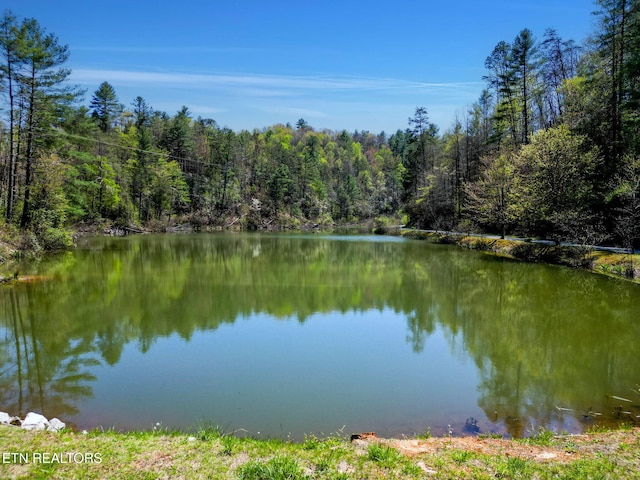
(337, 64)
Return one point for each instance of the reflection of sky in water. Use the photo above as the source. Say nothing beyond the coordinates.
(276, 376)
(351, 238)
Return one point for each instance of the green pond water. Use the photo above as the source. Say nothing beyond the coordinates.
(274, 335)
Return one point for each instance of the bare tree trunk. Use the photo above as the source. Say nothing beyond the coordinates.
(12, 154)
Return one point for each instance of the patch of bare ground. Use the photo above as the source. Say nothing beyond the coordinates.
(561, 449)
(239, 460)
(483, 446)
(157, 461)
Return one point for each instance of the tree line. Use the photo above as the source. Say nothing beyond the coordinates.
(550, 149)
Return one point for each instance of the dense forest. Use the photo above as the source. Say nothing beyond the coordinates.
(550, 149)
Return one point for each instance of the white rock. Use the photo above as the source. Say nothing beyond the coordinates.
(56, 425)
(5, 417)
(35, 421)
(191, 439)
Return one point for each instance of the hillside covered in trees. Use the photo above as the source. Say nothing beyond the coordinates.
(550, 149)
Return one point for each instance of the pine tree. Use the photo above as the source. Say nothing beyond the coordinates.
(9, 43)
(41, 83)
(524, 61)
(105, 107)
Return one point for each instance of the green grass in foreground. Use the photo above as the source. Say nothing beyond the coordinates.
(210, 454)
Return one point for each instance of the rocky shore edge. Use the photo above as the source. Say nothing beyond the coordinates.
(33, 421)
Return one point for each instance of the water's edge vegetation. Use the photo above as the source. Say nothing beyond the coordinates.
(618, 265)
(612, 263)
(209, 453)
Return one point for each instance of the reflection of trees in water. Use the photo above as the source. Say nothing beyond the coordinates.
(42, 370)
(540, 336)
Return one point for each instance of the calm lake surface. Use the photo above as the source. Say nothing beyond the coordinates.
(285, 335)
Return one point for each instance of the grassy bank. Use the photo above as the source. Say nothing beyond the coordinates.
(618, 265)
(207, 454)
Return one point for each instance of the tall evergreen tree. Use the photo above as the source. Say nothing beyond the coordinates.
(10, 37)
(105, 107)
(524, 61)
(502, 80)
(42, 86)
(420, 158)
(611, 54)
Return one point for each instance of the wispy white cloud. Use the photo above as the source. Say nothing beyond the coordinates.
(276, 85)
(250, 100)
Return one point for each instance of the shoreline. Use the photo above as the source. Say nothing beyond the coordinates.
(208, 453)
(621, 266)
(609, 262)
(614, 264)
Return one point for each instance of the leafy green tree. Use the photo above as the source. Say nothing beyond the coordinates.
(79, 127)
(169, 191)
(346, 198)
(556, 193)
(389, 173)
(50, 204)
(91, 188)
(138, 139)
(310, 189)
(434, 208)
(136, 163)
(492, 197)
(224, 178)
(627, 195)
(279, 185)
